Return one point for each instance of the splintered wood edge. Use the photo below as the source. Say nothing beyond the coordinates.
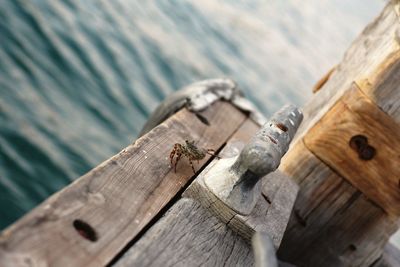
(354, 116)
(112, 203)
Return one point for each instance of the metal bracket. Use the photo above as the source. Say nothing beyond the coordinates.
(264, 250)
(237, 181)
(200, 95)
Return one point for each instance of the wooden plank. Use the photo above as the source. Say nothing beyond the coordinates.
(333, 223)
(342, 138)
(189, 235)
(112, 203)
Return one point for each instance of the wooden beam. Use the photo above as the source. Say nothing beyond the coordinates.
(91, 220)
(362, 143)
(333, 223)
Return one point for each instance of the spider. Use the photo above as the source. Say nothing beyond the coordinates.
(191, 152)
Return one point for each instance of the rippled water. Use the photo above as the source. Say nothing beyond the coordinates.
(79, 78)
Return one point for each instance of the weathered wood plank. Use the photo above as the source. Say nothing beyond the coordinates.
(116, 199)
(362, 143)
(333, 223)
(189, 235)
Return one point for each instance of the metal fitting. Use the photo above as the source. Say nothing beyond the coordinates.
(237, 181)
(264, 250)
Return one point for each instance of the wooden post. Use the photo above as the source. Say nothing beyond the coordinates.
(346, 156)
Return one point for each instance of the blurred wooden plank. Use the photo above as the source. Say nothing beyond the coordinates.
(112, 203)
(362, 143)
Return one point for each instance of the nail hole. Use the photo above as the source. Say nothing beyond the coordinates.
(85, 230)
(352, 247)
(358, 142)
(367, 153)
(282, 127)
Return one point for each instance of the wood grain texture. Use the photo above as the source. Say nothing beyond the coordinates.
(272, 211)
(372, 57)
(117, 198)
(189, 235)
(333, 223)
(354, 114)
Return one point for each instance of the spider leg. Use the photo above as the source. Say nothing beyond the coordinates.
(177, 149)
(191, 164)
(172, 154)
(178, 157)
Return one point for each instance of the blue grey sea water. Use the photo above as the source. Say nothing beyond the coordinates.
(79, 78)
